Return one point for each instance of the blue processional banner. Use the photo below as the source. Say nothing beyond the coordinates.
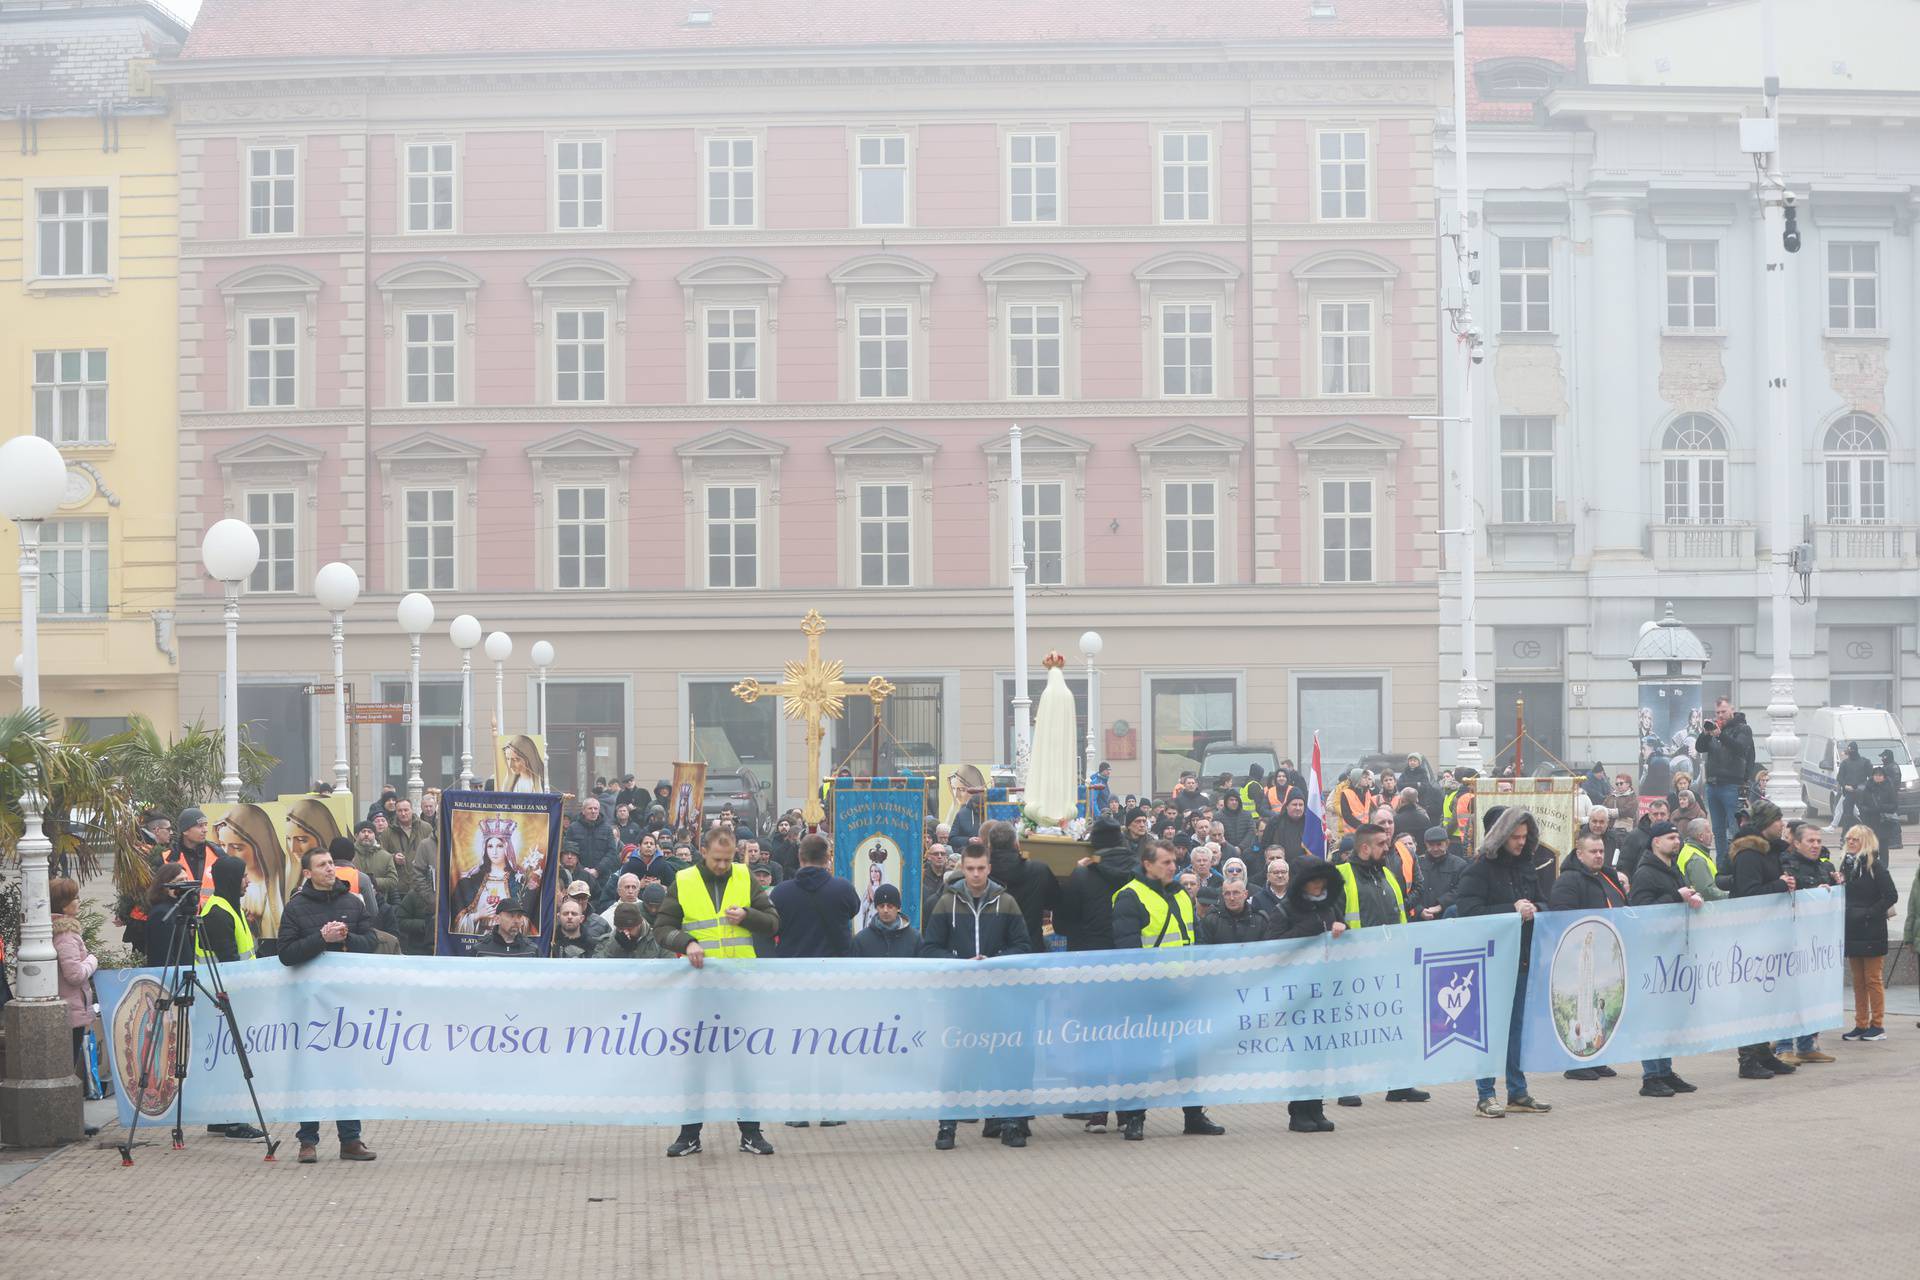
(625, 1042)
(1613, 987)
(495, 845)
(877, 833)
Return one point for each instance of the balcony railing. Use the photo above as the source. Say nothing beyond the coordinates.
(1702, 546)
(1866, 546)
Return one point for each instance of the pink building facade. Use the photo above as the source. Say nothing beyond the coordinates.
(647, 354)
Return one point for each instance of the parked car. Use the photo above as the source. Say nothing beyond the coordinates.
(742, 791)
(1236, 758)
(1822, 747)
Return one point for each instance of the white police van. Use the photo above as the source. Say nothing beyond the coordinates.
(1824, 744)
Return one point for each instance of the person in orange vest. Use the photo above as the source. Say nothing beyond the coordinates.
(190, 848)
(1349, 805)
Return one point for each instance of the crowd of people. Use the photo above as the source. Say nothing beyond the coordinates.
(1233, 863)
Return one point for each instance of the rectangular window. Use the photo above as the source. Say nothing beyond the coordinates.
(884, 354)
(1348, 712)
(73, 231)
(430, 186)
(1033, 181)
(271, 515)
(1526, 470)
(270, 191)
(1186, 177)
(1853, 286)
(73, 568)
(1342, 168)
(580, 537)
(1188, 715)
(731, 182)
(1191, 540)
(273, 361)
(429, 534)
(882, 198)
(886, 534)
(1043, 530)
(70, 396)
(580, 184)
(1346, 348)
(1694, 488)
(1033, 349)
(1856, 489)
(733, 353)
(1186, 349)
(1693, 284)
(1346, 531)
(733, 536)
(430, 356)
(1523, 285)
(580, 356)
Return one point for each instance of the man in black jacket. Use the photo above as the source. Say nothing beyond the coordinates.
(1754, 870)
(888, 936)
(1850, 780)
(1032, 884)
(1586, 883)
(324, 915)
(1726, 745)
(508, 937)
(816, 907)
(1234, 920)
(221, 924)
(1511, 873)
(1655, 881)
(1440, 872)
(992, 927)
(1085, 910)
(1634, 846)
(1311, 909)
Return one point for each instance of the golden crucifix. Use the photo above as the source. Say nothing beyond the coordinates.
(814, 692)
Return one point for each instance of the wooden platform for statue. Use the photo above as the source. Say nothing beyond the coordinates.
(1061, 853)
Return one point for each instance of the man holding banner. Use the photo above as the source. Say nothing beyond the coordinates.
(1658, 880)
(1511, 873)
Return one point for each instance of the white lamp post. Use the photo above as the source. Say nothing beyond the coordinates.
(229, 551)
(499, 648)
(415, 616)
(337, 587)
(1090, 646)
(40, 1097)
(542, 656)
(465, 633)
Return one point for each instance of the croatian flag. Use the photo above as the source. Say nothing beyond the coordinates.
(1314, 837)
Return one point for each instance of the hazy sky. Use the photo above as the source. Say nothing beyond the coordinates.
(181, 8)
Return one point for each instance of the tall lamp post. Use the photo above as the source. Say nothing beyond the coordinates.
(415, 616)
(542, 656)
(229, 551)
(499, 648)
(337, 587)
(40, 1100)
(465, 634)
(1090, 646)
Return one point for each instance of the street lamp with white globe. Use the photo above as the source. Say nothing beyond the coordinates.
(337, 587)
(499, 648)
(229, 552)
(465, 634)
(1090, 646)
(542, 657)
(415, 615)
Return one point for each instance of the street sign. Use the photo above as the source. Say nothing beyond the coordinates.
(324, 690)
(378, 713)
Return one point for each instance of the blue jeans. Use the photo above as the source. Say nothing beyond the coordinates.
(1802, 1044)
(1651, 1067)
(1516, 1079)
(309, 1132)
(1723, 800)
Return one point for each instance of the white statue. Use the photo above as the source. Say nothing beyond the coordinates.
(1053, 775)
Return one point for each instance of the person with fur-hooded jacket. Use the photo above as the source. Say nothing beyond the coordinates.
(1511, 873)
(1311, 908)
(1754, 869)
(1085, 910)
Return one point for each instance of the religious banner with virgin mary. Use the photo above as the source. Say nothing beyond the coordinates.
(495, 847)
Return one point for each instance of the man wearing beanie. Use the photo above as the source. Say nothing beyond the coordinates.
(631, 937)
(1754, 869)
(190, 847)
(888, 936)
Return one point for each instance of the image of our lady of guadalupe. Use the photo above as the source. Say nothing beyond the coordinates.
(502, 872)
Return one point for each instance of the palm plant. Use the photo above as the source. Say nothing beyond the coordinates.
(169, 776)
(86, 809)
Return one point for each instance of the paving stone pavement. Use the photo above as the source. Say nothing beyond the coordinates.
(1743, 1178)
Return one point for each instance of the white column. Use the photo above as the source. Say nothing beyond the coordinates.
(466, 719)
(1016, 539)
(230, 783)
(1469, 350)
(341, 780)
(416, 785)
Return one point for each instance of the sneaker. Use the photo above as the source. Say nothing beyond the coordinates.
(1527, 1105)
(1605, 1073)
(943, 1140)
(755, 1144)
(1581, 1073)
(1656, 1087)
(1408, 1095)
(243, 1132)
(684, 1147)
(1096, 1124)
(1785, 1058)
(1678, 1085)
(1350, 1100)
(1858, 1033)
(1779, 1066)
(1490, 1108)
(1135, 1129)
(1875, 1033)
(1814, 1055)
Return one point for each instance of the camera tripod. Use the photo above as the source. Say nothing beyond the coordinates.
(179, 979)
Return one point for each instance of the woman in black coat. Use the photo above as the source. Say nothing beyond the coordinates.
(1871, 897)
(1880, 805)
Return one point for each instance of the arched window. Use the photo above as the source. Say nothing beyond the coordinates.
(1856, 449)
(1694, 471)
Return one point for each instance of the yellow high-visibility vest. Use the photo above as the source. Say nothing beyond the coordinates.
(1166, 927)
(1353, 894)
(242, 935)
(706, 921)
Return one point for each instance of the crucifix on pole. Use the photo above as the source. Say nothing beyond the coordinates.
(815, 693)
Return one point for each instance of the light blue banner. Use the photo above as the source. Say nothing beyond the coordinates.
(657, 1042)
(1609, 987)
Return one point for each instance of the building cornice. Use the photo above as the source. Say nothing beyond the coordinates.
(1716, 103)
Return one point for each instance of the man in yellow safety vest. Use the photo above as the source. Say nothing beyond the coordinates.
(1373, 896)
(1151, 911)
(713, 909)
(225, 936)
